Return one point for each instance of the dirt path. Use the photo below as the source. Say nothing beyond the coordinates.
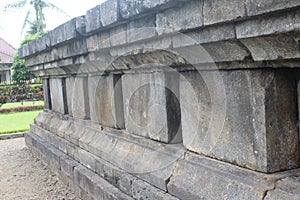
(24, 177)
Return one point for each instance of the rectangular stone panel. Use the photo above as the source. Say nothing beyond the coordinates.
(106, 100)
(256, 7)
(77, 97)
(188, 15)
(57, 96)
(248, 117)
(141, 28)
(130, 8)
(93, 19)
(273, 47)
(151, 105)
(216, 11)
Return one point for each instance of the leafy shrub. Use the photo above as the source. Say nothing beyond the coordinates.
(21, 108)
(21, 93)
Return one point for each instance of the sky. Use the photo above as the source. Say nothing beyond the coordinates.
(11, 21)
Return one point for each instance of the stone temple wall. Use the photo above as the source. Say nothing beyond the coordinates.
(172, 99)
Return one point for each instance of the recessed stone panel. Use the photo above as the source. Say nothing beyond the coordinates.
(244, 117)
(57, 96)
(186, 16)
(77, 97)
(106, 101)
(216, 11)
(151, 105)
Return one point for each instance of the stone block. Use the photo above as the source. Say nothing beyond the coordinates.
(256, 7)
(158, 178)
(67, 166)
(143, 190)
(241, 117)
(96, 186)
(151, 105)
(57, 96)
(87, 159)
(106, 100)
(74, 132)
(72, 151)
(130, 8)
(98, 41)
(207, 35)
(75, 48)
(118, 35)
(141, 28)
(274, 47)
(287, 188)
(215, 180)
(77, 97)
(274, 24)
(64, 126)
(226, 51)
(65, 32)
(93, 19)
(187, 16)
(109, 12)
(217, 11)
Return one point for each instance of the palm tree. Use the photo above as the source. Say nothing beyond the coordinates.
(39, 24)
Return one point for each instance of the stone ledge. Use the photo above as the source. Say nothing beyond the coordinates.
(237, 182)
(91, 184)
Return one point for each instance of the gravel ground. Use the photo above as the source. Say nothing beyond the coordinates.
(24, 177)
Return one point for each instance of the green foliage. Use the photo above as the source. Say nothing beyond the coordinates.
(38, 6)
(21, 93)
(22, 73)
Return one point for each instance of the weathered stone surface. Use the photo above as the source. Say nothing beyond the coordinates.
(143, 190)
(287, 188)
(217, 11)
(87, 159)
(256, 7)
(277, 47)
(210, 34)
(141, 28)
(130, 8)
(67, 166)
(107, 101)
(241, 118)
(93, 19)
(151, 105)
(187, 16)
(96, 186)
(57, 96)
(67, 31)
(109, 12)
(118, 35)
(216, 180)
(99, 41)
(77, 97)
(273, 24)
(226, 51)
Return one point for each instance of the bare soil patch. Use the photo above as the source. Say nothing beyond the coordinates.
(23, 176)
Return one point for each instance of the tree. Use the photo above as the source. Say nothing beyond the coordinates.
(39, 24)
(22, 73)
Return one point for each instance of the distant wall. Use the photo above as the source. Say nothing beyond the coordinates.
(171, 99)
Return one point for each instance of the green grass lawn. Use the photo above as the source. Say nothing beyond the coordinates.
(26, 103)
(17, 121)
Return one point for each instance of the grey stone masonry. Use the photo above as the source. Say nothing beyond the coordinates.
(172, 99)
(252, 125)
